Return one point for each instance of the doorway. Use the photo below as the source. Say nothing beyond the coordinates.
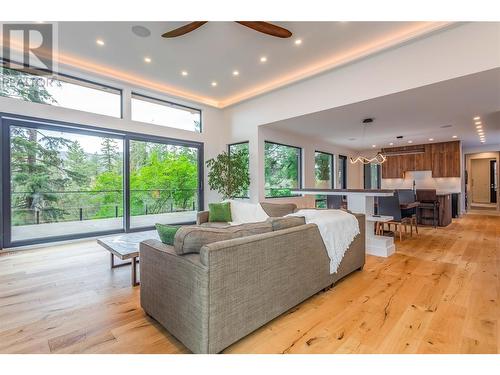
(483, 183)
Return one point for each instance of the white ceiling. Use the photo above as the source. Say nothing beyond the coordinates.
(417, 114)
(212, 52)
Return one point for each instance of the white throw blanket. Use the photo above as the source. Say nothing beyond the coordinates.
(337, 228)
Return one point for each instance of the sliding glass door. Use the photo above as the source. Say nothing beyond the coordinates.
(163, 183)
(63, 182)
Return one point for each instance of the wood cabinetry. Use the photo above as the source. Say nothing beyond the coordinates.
(446, 159)
(443, 159)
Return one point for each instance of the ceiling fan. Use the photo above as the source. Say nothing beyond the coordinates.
(262, 27)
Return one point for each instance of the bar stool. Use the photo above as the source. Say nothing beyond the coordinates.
(428, 200)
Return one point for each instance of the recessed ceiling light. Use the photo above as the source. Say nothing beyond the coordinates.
(298, 42)
(390, 144)
(480, 132)
(147, 59)
(455, 136)
(431, 139)
(100, 42)
(236, 73)
(478, 123)
(184, 73)
(214, 83)
(479, 126)
(374, 145)
(477, 118)
(410, 141)
(263, 59)
(482, 141)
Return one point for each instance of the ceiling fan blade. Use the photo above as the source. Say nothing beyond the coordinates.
(184, 29)
(267, 28)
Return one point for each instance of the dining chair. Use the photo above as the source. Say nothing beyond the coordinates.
(407, 196)
(334, 201)
(390, 206)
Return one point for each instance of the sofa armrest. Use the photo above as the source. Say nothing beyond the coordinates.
(173, 292)
(201, 217)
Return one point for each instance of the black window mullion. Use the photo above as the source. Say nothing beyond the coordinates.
(126, 184)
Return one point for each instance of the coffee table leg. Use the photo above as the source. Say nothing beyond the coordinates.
(112, 260)
(134, 272)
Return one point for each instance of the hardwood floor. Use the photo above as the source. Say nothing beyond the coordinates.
(438, 294)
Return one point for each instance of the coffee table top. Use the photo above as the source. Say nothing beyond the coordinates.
(126, 246)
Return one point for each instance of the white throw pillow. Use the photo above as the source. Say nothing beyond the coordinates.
(244, 212)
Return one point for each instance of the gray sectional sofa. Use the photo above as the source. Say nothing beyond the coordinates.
(211, 299)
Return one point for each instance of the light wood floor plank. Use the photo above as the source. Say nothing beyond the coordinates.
(439, 293)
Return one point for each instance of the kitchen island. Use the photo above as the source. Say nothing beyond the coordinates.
(362, 201)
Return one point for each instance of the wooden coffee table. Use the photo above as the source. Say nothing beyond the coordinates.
(126, 246)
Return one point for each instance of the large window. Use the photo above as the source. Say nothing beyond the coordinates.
(159, 112)
(342, 172)
(241, 147)
(323, 170)
(163, 183)
(60, 90)
(371, 176)
(282, 169)
(64, 181)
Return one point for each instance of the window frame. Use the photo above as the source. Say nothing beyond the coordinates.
(344, 171)
(7, 120)
(332, 166)
(68, 79)
(166, 103)
(299, 165)
(229, 154)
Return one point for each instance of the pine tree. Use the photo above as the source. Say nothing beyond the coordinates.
(77, 166)
(109, 154)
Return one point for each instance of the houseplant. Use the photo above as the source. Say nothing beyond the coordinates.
(228, 174)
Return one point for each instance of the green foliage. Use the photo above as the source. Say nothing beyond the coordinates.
(281, 169)
(109, 154)
(229, 174)
(16, 84)
(323, 166)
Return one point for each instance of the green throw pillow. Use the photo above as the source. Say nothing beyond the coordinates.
(219, 212)
(167, 233)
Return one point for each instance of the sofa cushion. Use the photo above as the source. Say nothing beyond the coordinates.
(190, 239)
(219, 212)
(250, 229)
(167, 232)
(246, 212)
(279, 223)
(278, 209)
